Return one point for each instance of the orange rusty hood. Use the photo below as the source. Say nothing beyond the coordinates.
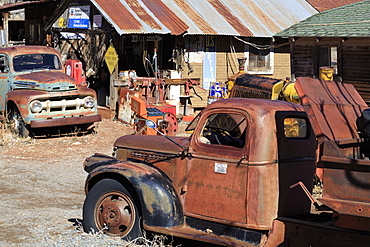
(332, 107)
(45, 80)
(153, 143)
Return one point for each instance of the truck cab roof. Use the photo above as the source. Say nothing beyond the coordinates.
(17, 50)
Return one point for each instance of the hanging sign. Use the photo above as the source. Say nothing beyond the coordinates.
(62, 23)
(79, 17)
(111, 58)
(209, 63)
(97, 20)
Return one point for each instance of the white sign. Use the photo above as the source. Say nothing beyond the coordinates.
(67, 35)
(195, 57)
(220, 168)
(97, 20)
(79, 17)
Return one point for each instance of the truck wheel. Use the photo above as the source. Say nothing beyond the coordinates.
(110, 208)
(17, 124)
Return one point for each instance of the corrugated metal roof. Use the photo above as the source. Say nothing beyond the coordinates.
(19, 5)
(254, 18)
(322, 5)
(135, 16)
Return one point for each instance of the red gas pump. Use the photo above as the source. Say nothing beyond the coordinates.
(74, 70)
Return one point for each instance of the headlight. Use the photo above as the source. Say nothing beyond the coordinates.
(89, 102)
(36, 106)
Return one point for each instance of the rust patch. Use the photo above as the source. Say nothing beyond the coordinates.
(143, 15)
(119, 14)
(321, 5)
(231, 19)
(167, 16)
(195, 17)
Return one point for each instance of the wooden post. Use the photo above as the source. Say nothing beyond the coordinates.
(113, 91)
(292, 68)
(6, 27)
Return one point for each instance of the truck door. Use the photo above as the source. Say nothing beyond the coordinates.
(296, 152)
(216, 177)
(4, 77)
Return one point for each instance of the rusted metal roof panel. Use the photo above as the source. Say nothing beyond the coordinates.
(19, 5)
(132, 16)
(256, 18)
(322, 5)
(253, 18)
(265, 17)
(332, 107)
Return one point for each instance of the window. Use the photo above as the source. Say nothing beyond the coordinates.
(191, 127)
(328, 57)
(260, 56)
(4, 65)
(295, 128)
(34, 32)
(224, 129)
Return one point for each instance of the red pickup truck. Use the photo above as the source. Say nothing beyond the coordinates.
(245, 175)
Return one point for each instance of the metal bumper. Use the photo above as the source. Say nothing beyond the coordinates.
(65, 121)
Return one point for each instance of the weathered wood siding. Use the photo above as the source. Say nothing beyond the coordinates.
(353, 61)
(355, 68)
(304, 61)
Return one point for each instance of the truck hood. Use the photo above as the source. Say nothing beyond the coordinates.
(45, 80)
(332, 107)
(152, 143)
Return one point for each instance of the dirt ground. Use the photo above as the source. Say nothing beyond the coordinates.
(42, 187)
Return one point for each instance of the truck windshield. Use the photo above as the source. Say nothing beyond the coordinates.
(36, 62)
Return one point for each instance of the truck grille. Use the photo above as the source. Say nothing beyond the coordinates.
(149, 156)
(65, 105)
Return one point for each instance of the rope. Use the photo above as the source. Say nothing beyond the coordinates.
(261, 47)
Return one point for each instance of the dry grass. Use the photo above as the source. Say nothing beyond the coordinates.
(8, 138)
(156, 241)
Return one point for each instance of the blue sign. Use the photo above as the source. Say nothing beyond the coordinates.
(78, 23)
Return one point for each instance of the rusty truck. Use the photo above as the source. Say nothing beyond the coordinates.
(244, 177)
(36, 93)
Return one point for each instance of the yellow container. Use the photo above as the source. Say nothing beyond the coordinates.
(326, 73)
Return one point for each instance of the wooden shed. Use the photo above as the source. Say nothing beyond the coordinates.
(338, 38)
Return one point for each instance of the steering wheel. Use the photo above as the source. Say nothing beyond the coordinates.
(219, 135)
(223, 137)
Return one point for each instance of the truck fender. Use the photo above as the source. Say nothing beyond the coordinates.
(20, 99)
(159, 202)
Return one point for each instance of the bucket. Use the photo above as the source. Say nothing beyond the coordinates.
(326, 73)
(174, 92)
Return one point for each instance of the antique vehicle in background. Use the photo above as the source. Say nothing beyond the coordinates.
(244, 85)
(245, 175)
(36, 93)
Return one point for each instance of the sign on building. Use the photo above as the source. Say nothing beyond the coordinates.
(79, 17)
(209, 62)
(111, 58)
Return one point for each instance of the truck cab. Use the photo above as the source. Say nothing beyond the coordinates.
(224, 184)
(36, 93)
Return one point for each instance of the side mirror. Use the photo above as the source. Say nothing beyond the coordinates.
(151, 124)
